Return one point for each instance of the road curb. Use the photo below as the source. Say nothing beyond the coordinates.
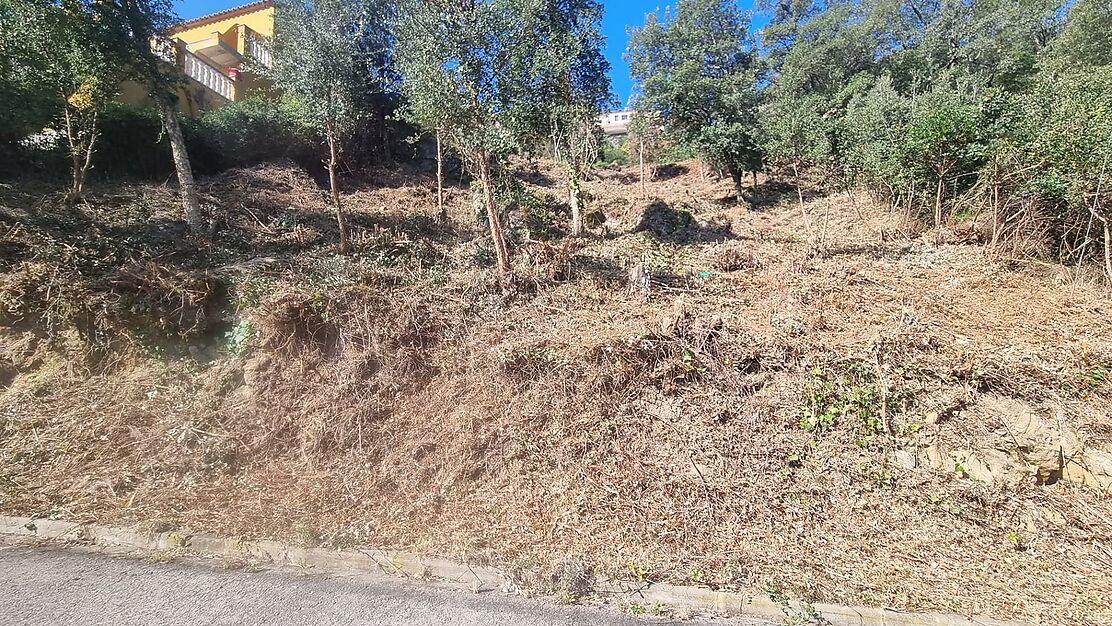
(474, 578)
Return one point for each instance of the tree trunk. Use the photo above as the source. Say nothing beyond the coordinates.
(81, 154)
(997, 213)
(754, 181)
(440, 177)
(938, 202)
(333, 159)
(494, 219)
(641, 159)
(81, 165)
(735, 175)
(798, 187)
(77, 187)
(1107, 251)
(574, 201)
(384, 134)
(191, 205)
(90, 148)
(802, 206)
(75, 155)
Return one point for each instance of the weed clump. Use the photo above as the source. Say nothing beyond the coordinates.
(848, 395)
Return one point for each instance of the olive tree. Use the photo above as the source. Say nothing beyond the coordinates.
(573, 89)
(321, 52)
(478, 60)
(646, 130)
(428, 106)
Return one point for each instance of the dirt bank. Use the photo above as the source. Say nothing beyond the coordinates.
(826, 403)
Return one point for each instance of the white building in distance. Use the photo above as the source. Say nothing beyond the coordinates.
(615, 123)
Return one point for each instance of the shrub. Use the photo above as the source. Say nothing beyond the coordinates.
(260, 129)
(133, 144)
(613, 152)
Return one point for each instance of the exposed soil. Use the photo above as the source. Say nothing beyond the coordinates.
(826, 403)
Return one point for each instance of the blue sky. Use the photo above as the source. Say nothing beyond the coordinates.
(620, 14)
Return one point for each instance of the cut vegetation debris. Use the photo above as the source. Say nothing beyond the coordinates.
(695, 392)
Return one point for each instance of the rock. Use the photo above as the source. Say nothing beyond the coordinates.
(733, 257)
(664, 221)
(1092, 467)
(932, 417)
(1032, 439)
(704, 330)
(970, 465)
(905, 459)
(255, 369)
(8, 372)
(788, 324)
(935, 458)
(594, 219)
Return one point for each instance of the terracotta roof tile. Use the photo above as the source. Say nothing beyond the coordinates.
(223, 15)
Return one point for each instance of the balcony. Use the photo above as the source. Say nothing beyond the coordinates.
(216, 51)
(196, 68)
(257, 49)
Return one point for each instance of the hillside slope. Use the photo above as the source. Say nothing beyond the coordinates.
(829, 403)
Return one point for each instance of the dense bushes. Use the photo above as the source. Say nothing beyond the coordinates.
(132, 143)
(1037, 156)
(981, 109)
(260, 129)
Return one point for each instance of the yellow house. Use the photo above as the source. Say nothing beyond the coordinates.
(214, 52)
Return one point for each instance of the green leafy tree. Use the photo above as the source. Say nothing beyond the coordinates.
(72, 55)
(1086, 38)
(820, 56)
(573, 89)
(697, 66)
(322, 49)
(430, 100)
(987, 43)
(480, 59)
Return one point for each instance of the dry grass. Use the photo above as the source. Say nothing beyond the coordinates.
(398, 397)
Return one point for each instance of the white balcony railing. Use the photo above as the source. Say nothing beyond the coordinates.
(258, 50)
(206, 74)
(193, 66)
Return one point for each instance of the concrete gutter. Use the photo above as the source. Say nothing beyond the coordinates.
(474, 578)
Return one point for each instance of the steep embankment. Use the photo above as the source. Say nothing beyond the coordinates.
(828, 404)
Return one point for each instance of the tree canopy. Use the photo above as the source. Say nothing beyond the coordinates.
(697, 66)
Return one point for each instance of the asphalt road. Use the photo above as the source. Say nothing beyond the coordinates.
(58, 586)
